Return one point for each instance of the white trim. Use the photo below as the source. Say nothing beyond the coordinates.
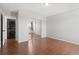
(9, 17)
(65, 40)
(20, 41)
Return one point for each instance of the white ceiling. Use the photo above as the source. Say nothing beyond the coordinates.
(51, 9)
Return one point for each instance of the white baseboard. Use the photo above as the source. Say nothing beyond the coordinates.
(73, 42)
(20, 41)
(77, 43)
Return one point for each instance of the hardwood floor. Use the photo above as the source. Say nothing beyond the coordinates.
(42, 46)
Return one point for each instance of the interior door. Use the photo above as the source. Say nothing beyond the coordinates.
(1, 25)
(3, 29)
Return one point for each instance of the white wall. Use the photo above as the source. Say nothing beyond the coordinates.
(43, 28)
(38, 26)
(22, 27)
(64, 26)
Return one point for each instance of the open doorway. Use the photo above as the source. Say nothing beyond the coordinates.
(11, 34)
(9, 27)
(35, 29)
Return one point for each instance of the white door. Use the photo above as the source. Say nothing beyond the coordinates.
(4, 29)
(0, 30)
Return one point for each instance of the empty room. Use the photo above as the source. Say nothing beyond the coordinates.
(39, 28)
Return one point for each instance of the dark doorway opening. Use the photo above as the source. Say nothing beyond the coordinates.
(11, 28)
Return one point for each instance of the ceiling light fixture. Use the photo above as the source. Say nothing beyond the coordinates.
(46, 4)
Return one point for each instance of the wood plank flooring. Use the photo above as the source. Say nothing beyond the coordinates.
(42, 46)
